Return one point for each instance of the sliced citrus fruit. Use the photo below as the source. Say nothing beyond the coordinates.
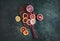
(22, 29)
(25, 15)
(24, 20)
(17, 18)
(33, 21)
(29, 8)
(25, 32)
(40, 17)
(32, 16)
(28, 22)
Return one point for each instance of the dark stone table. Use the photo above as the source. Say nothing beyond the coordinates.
(47, 30)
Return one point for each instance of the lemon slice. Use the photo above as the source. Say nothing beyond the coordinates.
(17, 18)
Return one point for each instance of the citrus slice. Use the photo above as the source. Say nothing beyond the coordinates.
(24, 20)
(32, 16)
(26, 32)
(40, 17)
(33, 21)
(29, 8)
(17, 18)
(25, 15)
(28, 22)
(22, 29)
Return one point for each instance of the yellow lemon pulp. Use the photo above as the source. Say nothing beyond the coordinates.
(17, 18)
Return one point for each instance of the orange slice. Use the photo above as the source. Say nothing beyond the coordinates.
(32, 16)
(24, 20)
(40, 17)
(30, 8)
(22, 29)
(25, 15)
(33, 21)
(28, 22)
(25, 32)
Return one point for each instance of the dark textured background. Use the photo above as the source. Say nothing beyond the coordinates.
(47, 30)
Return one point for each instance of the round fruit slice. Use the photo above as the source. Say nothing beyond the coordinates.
(17, 18)
(25, 15)
(26, 32)
(32, 16)
(32, 21)
(29, 8)
(24, 20)
(28, 22)
(22, 29)
(40, 17)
